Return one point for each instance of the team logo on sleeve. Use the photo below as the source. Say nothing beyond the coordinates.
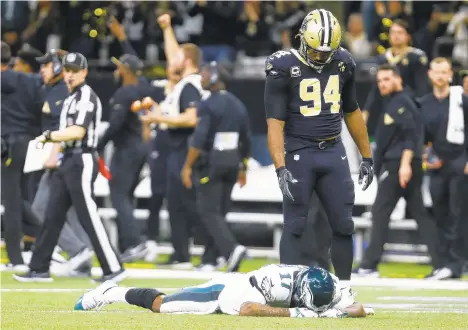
(295, 71)
(342, 66)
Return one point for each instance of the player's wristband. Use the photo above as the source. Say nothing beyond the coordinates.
(243, 164)
(369, 160)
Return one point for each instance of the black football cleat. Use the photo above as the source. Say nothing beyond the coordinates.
(33, 276)
(114, 277)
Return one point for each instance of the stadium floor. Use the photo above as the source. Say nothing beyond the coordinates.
(399, 304)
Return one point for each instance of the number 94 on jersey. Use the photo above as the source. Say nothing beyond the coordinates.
(320, 95)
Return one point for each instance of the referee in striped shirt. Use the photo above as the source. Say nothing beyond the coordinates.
(73, 182)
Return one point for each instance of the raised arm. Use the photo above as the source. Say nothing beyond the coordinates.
(171, 46)
(119, 32)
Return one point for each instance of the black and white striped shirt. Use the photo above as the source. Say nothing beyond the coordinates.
(82, 108)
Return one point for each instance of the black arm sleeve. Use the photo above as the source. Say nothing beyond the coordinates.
(119, 112)
(276, 97)
(348, 96)
(409, 126)
(200, 134)
(189, 97)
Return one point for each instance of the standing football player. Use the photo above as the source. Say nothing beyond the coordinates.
(307, 93)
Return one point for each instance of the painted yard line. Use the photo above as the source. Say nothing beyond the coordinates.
(52, 290)
(356, 282)
(435, 299)
(417, 306)
(73, 311)
(424, 312)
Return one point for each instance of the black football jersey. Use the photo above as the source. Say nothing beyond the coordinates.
(316, 100)
(413, 69)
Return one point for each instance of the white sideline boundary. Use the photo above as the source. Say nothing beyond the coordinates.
(51, 290)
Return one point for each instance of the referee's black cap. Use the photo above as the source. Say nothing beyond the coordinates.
(75, 61)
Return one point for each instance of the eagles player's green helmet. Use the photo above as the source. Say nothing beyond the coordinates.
(320, 35)
(315, 289)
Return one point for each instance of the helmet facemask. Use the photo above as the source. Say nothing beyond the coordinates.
(314, 57)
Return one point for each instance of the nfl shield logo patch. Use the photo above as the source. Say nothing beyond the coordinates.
(295, 71)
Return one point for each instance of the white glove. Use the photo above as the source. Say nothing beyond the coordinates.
(302, 312)
(333, 314)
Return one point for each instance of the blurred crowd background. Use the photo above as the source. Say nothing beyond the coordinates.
(229, 31)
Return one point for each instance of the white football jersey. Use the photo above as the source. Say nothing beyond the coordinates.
(277, 283)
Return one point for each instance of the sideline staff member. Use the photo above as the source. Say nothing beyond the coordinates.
(400, 140)
(446, 123)
(130, 152)
(21, 104)
(221, 146)
(72, 184)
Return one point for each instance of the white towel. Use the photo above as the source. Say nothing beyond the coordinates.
(456, 122)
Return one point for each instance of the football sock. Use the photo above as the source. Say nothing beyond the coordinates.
(142, 297)
(117, 294)
(342, 256)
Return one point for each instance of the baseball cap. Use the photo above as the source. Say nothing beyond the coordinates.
(46, 58)
(30, 57)
(75, 61)
(129, 61)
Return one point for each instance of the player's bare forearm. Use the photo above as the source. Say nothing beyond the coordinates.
(358, 130)
(355, 310)
(276, 141)
(171, 46)
(255, 309)
(192, 156)
(406, 157)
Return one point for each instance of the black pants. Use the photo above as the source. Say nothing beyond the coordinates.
(17, 208)
(157, 161)
(72, 185)
(214, 201)
(125, 166)
(388, 193)
(324, 170)
(449, 199)
(181, 204)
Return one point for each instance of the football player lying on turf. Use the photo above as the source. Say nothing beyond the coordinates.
(274, 290)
